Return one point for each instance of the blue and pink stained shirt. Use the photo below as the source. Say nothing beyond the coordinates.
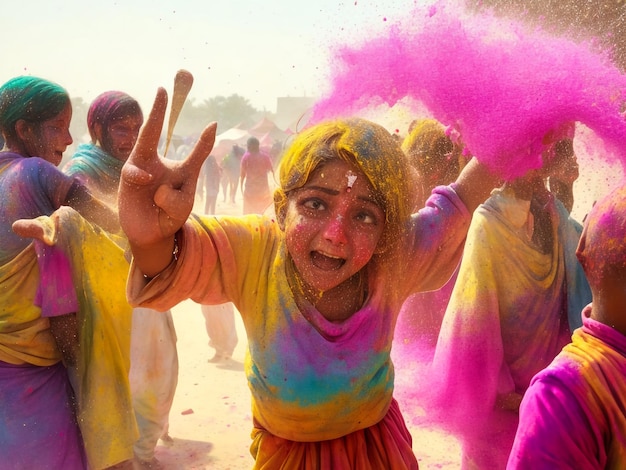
(311, 379)
(30, 187)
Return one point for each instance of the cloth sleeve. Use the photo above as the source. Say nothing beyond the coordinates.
(220, 260)
(438, 234)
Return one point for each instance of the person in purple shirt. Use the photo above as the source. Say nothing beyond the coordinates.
(38, 326)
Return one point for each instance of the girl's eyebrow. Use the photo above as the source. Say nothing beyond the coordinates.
(334, 192)
(324, 189)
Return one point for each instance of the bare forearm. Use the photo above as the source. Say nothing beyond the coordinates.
(92, 209)
(475, 183)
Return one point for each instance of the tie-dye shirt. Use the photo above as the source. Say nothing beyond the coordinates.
(574, 412)
(311, 379)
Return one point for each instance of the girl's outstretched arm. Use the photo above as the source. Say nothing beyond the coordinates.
(156, 195)
(95, 211)
(475, 183)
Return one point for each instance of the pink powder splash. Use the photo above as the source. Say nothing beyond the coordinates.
(502, 85)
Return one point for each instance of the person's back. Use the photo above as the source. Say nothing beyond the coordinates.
(211, 172)
(231, 166)
(255, 168)
(232, 161)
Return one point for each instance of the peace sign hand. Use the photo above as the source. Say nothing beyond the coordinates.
(156, 195)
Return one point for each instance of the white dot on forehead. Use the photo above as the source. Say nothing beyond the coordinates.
(351, 178)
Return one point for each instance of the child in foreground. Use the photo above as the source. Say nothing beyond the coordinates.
(573, 414)
(319, 287)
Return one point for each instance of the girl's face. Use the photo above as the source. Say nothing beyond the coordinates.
(332, 225)
(121, 136)
(49, 139)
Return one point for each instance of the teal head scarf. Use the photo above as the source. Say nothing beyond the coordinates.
(32, 99)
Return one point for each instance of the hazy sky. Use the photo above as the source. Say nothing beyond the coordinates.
(258, 49)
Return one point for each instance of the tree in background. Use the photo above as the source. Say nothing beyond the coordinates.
(227, 111)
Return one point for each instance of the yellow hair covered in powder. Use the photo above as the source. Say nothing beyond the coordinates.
(431, 151)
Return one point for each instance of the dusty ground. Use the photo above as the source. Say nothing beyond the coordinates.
(210, 419)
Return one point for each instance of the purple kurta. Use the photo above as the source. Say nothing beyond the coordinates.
(574, 412)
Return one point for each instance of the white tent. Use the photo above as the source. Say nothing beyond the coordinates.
(233, 135)
(225, 141)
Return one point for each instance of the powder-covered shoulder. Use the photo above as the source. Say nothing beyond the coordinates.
(564, 370)
(40, 176)
(42, 168)
(436, 236)
(442, 212)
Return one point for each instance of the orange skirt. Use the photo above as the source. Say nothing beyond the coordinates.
(386, 445)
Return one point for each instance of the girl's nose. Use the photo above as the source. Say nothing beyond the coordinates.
(336, 230)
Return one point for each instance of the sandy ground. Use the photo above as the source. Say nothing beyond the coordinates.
(210, 419)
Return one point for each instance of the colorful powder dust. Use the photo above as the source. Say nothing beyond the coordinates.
(502, 85)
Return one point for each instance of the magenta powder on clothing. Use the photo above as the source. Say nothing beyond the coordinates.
(502, 85)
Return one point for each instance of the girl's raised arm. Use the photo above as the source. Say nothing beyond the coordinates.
(156, 195)
(475, 183)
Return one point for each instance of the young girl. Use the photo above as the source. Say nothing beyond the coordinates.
(113, 120)
(37, 422)
(319, 288)
(57, 299)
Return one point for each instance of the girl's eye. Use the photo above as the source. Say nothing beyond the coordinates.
(54, 127)
(366, 218)
(314, 204)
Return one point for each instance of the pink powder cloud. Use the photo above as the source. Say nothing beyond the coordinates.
(501, 84)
